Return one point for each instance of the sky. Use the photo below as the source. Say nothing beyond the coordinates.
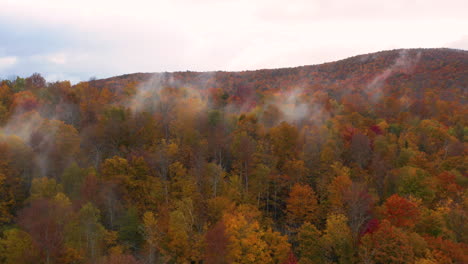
(76, 40)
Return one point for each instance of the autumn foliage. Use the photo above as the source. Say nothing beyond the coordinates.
(362, 160)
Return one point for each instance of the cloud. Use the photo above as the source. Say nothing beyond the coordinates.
(403, 63)
(6, 62)
(80, 39)
(58, 58)
(461, 43)
(359, 10)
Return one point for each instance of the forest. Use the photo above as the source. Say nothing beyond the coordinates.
(362, 160)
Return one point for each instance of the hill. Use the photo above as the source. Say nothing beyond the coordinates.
(362, 160)
(416, 69)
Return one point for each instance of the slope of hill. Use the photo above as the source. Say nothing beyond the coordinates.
(444, 69)
(362, 160)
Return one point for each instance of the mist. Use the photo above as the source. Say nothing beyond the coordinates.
(404, 63)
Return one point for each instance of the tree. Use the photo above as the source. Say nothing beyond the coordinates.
(129, 229)
(302, 205)
(108, 199)
(179, 246)
(45, 188)
(400, 211)
(216, 241)
(310, 246)
(58, 145)
(17, 247)
(456, 221)
(215, 175)
(338, 188)
(152, 235)
(218, 136)
(85, 233)
(16, 170)
(432, 222)
(447, 251)
(284, 139)
(118, 257)
(217, 207)
(182, 184)
(447, 185)
(35, 82)
(45, 220)
(6, 95)
(271, 115)
(388, 244)
(360, 149)
(432, 136)
(164, 154)
(278, 246)
(358, 208)
(185, 240)
(243, 148)
(415, 182)
(337, 239)
(112, 133)
(245, 240)
(23, 102)
(296, 170)
(7, 200)
(72, 179)
(89, 191)
(130, 181)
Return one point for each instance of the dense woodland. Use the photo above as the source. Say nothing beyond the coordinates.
(357, 161)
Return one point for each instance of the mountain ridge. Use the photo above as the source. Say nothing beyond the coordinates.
(293, 67)
(354, 57)
(383, 71)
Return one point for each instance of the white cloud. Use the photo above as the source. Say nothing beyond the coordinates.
(461, 43)
(7, 62)
(116, 37)
(58, 58)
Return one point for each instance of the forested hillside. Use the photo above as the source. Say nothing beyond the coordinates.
(362, 160)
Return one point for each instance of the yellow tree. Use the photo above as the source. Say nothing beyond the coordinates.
(151, 234)
(16, 170)
(184, 241)
(337, 189)
(178, 245)
(301, 206)
(182, 184)
(6, 201)
(57, 144)
(245, 241)
(310, 245)
(338, 240)
(278, 246)
(17, 247)
(44, 188)
(85, 233)
(164, 154)
(133, 182)
(296, 170)
(284, 139)
(250, 243)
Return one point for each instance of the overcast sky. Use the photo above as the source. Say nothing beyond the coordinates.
(75, 40)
